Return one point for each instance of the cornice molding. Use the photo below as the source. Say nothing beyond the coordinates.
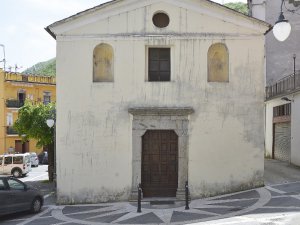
(161, 111)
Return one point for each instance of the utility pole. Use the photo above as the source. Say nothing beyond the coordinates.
(4, 60)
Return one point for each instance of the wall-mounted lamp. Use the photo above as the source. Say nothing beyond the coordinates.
(287, 99)
(282, 27)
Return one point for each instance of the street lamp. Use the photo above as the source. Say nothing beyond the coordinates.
(282, 27)
(51, 123)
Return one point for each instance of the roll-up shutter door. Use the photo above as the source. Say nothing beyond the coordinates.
(282, 142)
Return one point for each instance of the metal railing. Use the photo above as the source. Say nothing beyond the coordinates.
(286, 85)
(18, 77)
(11, 131)
(14, 103)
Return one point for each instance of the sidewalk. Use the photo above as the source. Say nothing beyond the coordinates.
(277, 172)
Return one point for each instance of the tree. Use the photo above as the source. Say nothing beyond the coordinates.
(238, 6)
(32, 122)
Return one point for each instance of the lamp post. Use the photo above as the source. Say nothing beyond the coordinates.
(282, 27)
(51, 123)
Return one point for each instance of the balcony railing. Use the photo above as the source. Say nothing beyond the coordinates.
(14, 103)
(286, 85)
(18, 77)
(10, 131)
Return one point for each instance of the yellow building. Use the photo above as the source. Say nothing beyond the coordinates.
(15, 88)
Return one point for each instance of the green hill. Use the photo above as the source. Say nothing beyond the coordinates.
(47, 68)
(238, 6)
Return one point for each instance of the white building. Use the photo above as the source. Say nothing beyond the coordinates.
(283, 82)
(158, 92)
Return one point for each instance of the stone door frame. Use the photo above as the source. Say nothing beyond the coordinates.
(144, 119)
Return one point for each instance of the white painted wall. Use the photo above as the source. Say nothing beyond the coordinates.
(295, 130)
(94, 128)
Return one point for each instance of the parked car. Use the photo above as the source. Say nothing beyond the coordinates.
(17, 165)
(34, 159)
(15, 196)
(43, 158)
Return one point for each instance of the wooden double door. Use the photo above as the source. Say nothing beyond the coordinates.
(160, 163)
(21, 147)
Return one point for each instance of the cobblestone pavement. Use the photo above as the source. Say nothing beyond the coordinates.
(271, 205)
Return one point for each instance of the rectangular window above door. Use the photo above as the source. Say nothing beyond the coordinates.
(159, 64)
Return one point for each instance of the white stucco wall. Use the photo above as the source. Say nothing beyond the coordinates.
(295, 126)
(94, 128)
(295, 130)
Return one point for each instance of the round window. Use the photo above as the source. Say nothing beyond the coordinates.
(161, 20)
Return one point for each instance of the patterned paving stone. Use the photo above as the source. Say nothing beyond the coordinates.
(144, 219)
(238, 204)
(246, 204)
(244, 195)
(273, 210)
(288, 188)
(72, 224)
(45, 221)
(108, 219)
(74, 209)
(284, 201)
(274, 194)
(83, 215)
(46, 215)
(10, 222)
(186, 216)
(220, 211)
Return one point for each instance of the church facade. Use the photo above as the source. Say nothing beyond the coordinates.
(162, 92)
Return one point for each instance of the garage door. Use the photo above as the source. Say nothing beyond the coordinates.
(282, 142)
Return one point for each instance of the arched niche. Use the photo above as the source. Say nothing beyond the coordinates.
(218, 63)
(103, 63)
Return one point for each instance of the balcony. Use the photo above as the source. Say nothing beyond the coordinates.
(285, 86)
(14, 103)
(10, 131)
(18, 77)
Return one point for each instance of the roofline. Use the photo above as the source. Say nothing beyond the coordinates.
(48, 28)
(50, 32)
(74, 16)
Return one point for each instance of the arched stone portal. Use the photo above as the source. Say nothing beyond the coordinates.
(176, 119)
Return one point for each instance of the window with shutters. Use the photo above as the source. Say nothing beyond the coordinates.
(282, 110)
(47, 97)
(159, 64)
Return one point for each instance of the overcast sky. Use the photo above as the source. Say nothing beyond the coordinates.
(22, 24)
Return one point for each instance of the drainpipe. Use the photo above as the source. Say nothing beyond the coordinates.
(294, 57)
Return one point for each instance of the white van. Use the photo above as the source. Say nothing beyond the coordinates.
(17, 165)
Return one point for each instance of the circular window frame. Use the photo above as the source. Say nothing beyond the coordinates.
(161, 24)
